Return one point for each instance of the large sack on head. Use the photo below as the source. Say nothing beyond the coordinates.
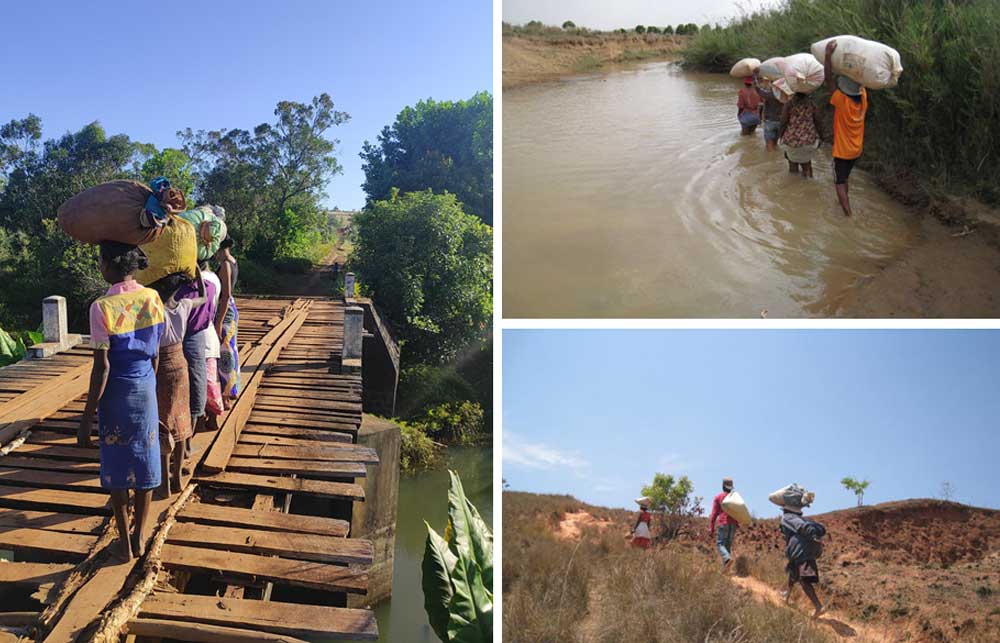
(773, 68)
(874, 65)
(745, 67)
(210, 230)
(108, 212)
(644, 501)
(176, 250)
(793, 496)
(736, 508)
(781, 90)
(803, 73)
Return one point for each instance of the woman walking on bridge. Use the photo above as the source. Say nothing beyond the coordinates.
(125, 329)
(227, 319)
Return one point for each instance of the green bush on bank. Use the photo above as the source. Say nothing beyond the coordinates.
(941, 121)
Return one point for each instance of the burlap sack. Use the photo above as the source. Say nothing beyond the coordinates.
(107, 212)
(176, 250)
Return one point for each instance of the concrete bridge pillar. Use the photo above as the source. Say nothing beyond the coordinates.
(55, 329)
(354, 332)
(349, 285)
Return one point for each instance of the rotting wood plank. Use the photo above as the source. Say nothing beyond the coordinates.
(328, 453)
(269, 520)
(158, 628)
(49, 479)
(298, 573)
(321, 488)
(18, 497)
(50, 521)
(323, 549)
(293, 421)
(72, 545)
(264, 437)
(305, 468)
(33, 574)
(50, 464)
(308, 621)
(58, 451)
(296, 401)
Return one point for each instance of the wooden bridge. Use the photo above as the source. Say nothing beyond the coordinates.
(257, 546)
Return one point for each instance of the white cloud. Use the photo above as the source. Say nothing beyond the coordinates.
(536, 455)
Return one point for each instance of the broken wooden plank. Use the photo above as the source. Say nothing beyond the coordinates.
(158, 628)
(321, 488)
(77, 501)
(299, 573)
(272, 520)
(307, 621)
(33, 574)
(341, 471)
(50, 521)
(324, 549)
(72, 546)
(327, 453)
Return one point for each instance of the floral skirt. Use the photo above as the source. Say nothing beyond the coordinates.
(127, 424)
(213, 403)
(229, 357)
(173, 392)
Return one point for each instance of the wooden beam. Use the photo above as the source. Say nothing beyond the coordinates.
(324, 549)
(50, 479)
(72, 546)
(203, 632)
(33, 574)
(305, 468)
(299, 573)
(263, 433)
(270, 520)
(306, 621)
(321, 488)
(50, 521)
(328, 453)
(28, 498)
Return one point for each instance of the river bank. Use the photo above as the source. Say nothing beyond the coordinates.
(537, 58)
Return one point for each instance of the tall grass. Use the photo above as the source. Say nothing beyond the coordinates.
(942, 122)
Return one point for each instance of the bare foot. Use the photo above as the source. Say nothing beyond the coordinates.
(819, 611)
(123, 552)
(176, 482)
(138, 546)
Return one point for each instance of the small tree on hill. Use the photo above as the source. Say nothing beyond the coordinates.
(652, 29)
(692, 28)
(569, 24)
(681, 30)
(668, 30)
(673, 497)
(640, 29)
(857, 486)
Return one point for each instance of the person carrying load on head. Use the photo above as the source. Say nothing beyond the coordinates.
(227, 319)
(641, 536)
(803, 544)
(722, 525)
(850, 104)
(799, 131)
(125, 329)
(772, 113)
(749, 106)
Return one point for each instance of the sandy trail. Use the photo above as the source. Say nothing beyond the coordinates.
(842, 627)
(573, 523)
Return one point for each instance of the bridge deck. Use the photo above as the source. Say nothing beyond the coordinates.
(256, 547)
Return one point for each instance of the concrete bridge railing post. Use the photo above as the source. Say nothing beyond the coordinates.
(349, 282)
(55, 329)
(354, 332)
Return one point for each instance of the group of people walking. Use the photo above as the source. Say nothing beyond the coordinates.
(795, 126)
(803, 539)
(165, 366)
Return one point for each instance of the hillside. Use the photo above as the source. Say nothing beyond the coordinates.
(918, 570)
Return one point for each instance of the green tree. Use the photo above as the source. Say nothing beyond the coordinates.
(652, 29)
(673, 498)
(173, 164)
(569, 24)
(681, 30)
(691, 29)
(430, 267)
(668, 30)
(261, 176)
(444, 146)
(640, 29)
(857, 487)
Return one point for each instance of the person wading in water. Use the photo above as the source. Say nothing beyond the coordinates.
(850, 104)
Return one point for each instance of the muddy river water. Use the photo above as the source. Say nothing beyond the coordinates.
(632, 194)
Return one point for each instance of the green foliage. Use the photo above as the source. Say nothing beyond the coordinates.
(454, 422)
(417, 450)
(673, 497)
(11, 349)
(652, 29)
(640, 29)
(941, 122)
(430, 266)
(174, 164)
(458, 573)
(857, 487)
(569, 24)
(443, 146)
(668, 30)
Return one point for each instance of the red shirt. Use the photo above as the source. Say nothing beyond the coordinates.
(749, 100)
(718, 513)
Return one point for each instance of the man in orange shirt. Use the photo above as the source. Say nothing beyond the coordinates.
(850, 103)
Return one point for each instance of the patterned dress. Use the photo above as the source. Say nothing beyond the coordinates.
(128, 322)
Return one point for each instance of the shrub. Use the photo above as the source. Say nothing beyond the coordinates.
(673, 498)
(568, 25)
(424, 386)
(668, 30)
(416, 449)
(454, 422)
(652, 29)
(640, 29)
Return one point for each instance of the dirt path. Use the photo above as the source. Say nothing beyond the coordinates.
(573, 523)
(318, 281)
(841, 626)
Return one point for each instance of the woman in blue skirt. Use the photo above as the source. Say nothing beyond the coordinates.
(125, 329)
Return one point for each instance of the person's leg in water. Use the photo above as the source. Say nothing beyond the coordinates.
(119, 503)
(793, 168)
(807, 170)
(841, 171)
(142, 500)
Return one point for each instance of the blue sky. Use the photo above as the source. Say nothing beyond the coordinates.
(149, 69)
(596, 413)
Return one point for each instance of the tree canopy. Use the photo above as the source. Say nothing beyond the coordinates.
(673, 497)
(430, 267)
(444, 146)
